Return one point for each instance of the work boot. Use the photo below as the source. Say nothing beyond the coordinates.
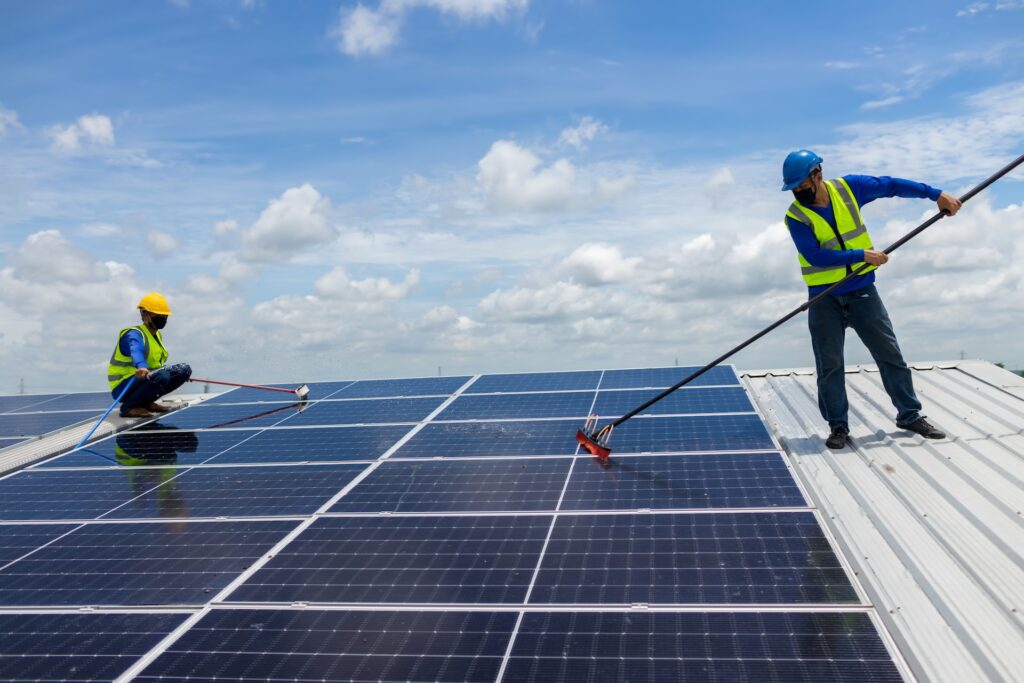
(838, 438)
(137, 411)
(924, 428)
(157, 408)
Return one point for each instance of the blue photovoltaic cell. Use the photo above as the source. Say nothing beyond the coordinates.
(712, 558)
(612, 404)
(536, 381)
(77, 647)
(383, 388)
(317, 391)
(403, 559)
(34, 424)
(240, 491)
(150, 563)
(73, 494)
(151, 444)
(241, 416)
(744, 480)
(18, 539)
(720, 647)
(365, 411)
(663, 378)
(320, 645)
(317, 444)
(96, 401)
(522, 406)
(691, 433)
(448, 439)
(22, 401)
(5, 442)
(520, 485)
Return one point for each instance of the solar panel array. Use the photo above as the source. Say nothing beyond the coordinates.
(435, 529)
(25, 416)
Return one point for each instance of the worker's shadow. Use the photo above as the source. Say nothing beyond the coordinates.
(815, 445)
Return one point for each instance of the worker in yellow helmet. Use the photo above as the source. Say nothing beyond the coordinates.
(140, 353)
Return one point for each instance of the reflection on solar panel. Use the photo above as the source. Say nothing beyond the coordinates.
(34, 424)
(378, 498)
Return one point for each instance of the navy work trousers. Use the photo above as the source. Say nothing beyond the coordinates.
(864, 311)
(160, 383)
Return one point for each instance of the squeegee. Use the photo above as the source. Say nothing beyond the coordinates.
(302, 392)
(596, 440)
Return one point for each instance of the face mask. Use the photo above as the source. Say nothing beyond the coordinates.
(805, 196)
(159, 321)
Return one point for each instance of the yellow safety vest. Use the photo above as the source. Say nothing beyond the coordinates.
(849, 233)
(121, 366)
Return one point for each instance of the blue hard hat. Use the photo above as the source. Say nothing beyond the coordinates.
(797, 166)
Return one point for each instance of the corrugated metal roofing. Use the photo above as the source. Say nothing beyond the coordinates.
(934, 529)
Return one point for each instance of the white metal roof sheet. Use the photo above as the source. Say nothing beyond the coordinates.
(934, 529)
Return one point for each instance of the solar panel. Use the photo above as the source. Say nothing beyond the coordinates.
(403, 560)
(34, 424)
(77, 647)
(519, 406)
(18, 540)
(384, 388)
(795, 647)
(662, 378)
(719, 480)
(536, 381)
(537, 561)
(715, 558)
(612, 404)
(95, 401)
(238, 491)
(520, 485)
(152, 444)
(339, 646)
(317, 391)
(150, 563)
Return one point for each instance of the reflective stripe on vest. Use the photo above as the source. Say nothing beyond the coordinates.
(122, 367)
(849, 233)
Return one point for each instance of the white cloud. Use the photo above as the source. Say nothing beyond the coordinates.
(884, 102)
(842, 66)
(364, 31)
(233, 272)
(510, 176)
(161, 244)
(336, 284)
(600, 264)
(971, 10)
(299, 219)
(8, 119)
(47, 256)
(94, 129)
(583, 133)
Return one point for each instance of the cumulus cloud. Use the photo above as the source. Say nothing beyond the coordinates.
(578, 136)
(600, 264)
(362, 30)
(8, 120)
(225, 227)
(161, 244)
(297, 220)
(336, 284)
(93, 129)
(48, 257)
(514, 178)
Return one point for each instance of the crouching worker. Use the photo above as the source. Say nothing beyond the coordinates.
(140, 353)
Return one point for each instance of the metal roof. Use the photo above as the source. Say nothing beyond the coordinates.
(934, 529)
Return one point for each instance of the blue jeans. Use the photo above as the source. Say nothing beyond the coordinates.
(160, 383)
(864, 311)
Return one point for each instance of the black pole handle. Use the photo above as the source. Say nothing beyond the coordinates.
(807, 304)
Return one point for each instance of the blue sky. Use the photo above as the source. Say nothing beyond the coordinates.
(336, 189)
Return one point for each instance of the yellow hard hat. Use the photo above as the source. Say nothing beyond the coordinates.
(155, 303)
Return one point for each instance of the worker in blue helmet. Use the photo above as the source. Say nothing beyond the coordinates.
(831, 239)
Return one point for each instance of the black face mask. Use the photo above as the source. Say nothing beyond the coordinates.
(806, 195)
(159, 321)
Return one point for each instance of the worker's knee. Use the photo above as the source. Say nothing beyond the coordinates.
(182, 370)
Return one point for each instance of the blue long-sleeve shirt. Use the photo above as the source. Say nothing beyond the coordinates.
(866, 189)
